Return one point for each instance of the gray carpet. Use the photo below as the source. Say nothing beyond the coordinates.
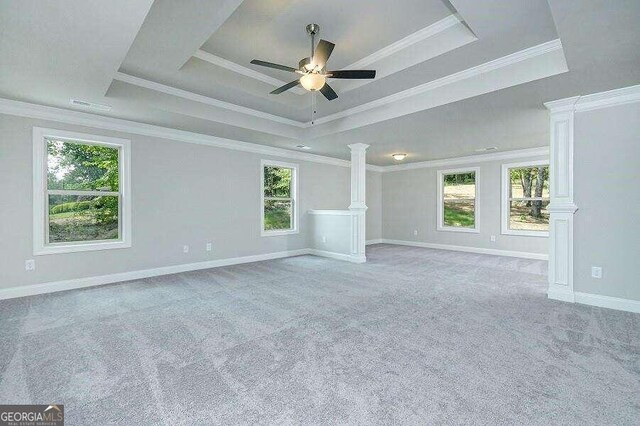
(415, 336)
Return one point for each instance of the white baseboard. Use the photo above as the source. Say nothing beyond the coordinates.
(608, 302)
(509, 253)
(51, 287)
(338, 256)
(561, 294)
(376, 241)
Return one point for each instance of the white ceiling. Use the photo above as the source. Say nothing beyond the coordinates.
(452, 76)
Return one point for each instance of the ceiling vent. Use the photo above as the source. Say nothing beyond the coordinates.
(90, 105)
(303, 147)
(487, 149)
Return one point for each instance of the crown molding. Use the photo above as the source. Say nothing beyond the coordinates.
(247, 72)
(496, 64)
(471, 159)
(610, 98)
(169, 90)
(60, 115)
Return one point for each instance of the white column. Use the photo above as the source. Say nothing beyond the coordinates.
(561, 207)
(358, 205)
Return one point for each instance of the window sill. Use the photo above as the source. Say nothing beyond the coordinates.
(452, 229)
(73, 248)
(278, 233)
(544, 234)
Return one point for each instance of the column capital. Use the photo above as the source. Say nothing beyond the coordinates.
(358, 147)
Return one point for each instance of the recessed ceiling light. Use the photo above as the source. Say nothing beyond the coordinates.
(399, 157)
(303, 147)
(489, 148)
(92, 105)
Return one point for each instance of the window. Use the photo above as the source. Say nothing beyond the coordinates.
(81, 192)
(458, 208)
(279, 192)
(525, 198)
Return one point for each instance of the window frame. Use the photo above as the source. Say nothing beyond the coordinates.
(506, 201)
(440, 226)
(293, 198)
(41, 245)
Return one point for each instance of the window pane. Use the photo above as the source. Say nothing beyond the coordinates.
(277, 215)
(530, 182)
(529, 215)
(77, 166)
(82, 218)
(277, 181)
(459, 213)
(460, 186)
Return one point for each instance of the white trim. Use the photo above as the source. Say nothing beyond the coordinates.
(610, 98)
(440, 202)
(294, 198)
(505, 61)
(560, 293)
(334, 255)
(51, 287)
(471, 159)
(169, 90)
(247, 72)
(601, 301)
(467, 249)
(504, 200)
(375, 241)
(60, 115)
(40, 231)
(331, 212)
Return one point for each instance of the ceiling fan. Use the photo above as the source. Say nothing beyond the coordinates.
(313, 69)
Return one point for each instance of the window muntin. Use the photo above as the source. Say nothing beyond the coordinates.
(458, 200)
(81, 192)
(526, 199)
(279, 210)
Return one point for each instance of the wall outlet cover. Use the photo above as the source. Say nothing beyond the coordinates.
(185, 249)
(596, 272)
(30, 265)
(209, 246)
(493, 238)
(415, 232)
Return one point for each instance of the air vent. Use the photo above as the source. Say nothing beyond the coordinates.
(303, 147)
(487, 149)
(91, 105)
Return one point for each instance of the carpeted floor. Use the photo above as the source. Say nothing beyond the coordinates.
(414, 336)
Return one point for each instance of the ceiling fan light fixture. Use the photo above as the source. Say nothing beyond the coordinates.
(399, 157)
(313, 81)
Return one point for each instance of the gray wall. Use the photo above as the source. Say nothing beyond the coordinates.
(607, 193)
(183, 194)
(409, 202)
(335, 228)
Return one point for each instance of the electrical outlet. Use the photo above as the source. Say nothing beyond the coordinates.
(596, 272)
(209, 246)
(415, 232)
(324, 239)
(493, 238)
(30, 265)
(185, 249)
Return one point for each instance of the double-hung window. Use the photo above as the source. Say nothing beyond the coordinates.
(458, 203)
(81, 192)
(525, 198)
(279, 198)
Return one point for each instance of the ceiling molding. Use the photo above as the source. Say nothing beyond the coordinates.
(169, 90)
(514, 58)
(247, 72)
(41, 112)
(471, 159)
(610, 98)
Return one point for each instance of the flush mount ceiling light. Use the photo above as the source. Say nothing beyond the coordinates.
(399, 157)
(313, 69)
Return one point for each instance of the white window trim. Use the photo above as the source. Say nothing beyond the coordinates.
(294, 198)
(506, 182)
(440, 216)
(40, 216)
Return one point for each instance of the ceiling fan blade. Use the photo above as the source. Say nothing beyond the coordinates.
(272, 65)
(286, 87)
(353, 74)
(328, 92)
(322, 53)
